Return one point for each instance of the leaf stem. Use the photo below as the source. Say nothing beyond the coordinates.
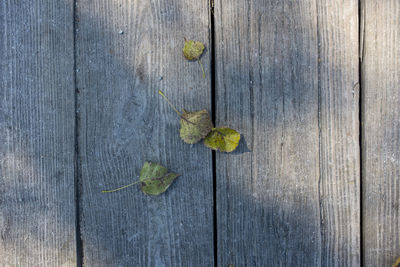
(202, 68)
(119, 188)
(169, 102)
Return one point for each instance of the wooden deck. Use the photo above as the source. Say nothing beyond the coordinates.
(312, 86)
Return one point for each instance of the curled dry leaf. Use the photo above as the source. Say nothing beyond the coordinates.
(192, 50)
(154, 179)
(223, 139)
(195, 126)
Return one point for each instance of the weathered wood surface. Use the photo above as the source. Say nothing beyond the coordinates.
(381, 132)
(37, 117)
(286, 75)
(126, 51)
(286, 78)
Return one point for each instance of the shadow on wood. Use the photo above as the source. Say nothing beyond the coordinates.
(288, 196)
(285, 77)
(124, 122)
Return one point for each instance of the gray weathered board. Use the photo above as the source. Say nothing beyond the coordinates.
(37, 118)
(127, 51)
(381, 131)
(286, 79)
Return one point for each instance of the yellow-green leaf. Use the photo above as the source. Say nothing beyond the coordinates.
(195, 126)
(155, 179)
(222, 139)
(396, 263)
(192, 50)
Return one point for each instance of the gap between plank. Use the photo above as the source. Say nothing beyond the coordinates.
(77, 157)
(361, 31)
(213, 114)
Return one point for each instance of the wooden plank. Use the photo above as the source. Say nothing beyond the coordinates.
(286, 72)
(381, 132)
(37, 117)
(126, 51)
(339, 151)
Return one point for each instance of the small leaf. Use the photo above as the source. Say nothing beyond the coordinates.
(195, 126)
(155, 179)
(192, 50)
(222, 139)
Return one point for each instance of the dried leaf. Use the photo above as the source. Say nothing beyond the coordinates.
(195, 126)
(192, 50)
(155, 179)
(222, 139)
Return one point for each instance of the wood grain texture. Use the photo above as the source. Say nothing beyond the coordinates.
(285, 76)
(126, 51)
(339, 183)
(381, 132)
(37, 204)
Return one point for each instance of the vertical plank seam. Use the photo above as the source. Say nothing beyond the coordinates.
(213, 114)
(321, 220)
(77, 157)
(361, 36)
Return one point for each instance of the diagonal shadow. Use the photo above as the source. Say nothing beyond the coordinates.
(276, 212)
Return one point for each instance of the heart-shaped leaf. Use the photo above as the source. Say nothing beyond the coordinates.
(195, 126)
(223, 139)
(154, 179)
(192, 50)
